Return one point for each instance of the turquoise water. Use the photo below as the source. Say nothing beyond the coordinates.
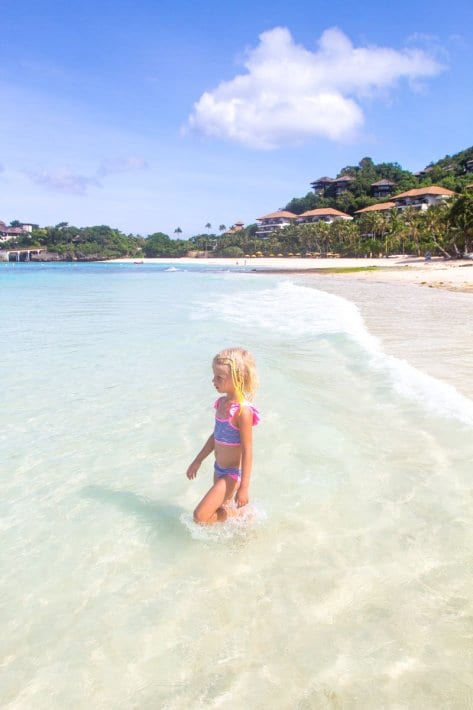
(347, 584)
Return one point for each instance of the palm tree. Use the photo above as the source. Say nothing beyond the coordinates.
(208, 227)
(413, 219)
(379, 227)
(178, 231)
(222, 228)
(384, 222)
(341, 235)
(435, 228)
(315, 237)
(460, 218)
(397, 230)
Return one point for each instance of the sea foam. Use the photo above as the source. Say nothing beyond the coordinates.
(297, 312)
(237, 527)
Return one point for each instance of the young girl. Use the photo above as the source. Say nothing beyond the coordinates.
(234, 377)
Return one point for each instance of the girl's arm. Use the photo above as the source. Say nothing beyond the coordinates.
(246, 438)
(207, 449)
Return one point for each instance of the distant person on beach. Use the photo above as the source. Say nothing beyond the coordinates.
(234, 377)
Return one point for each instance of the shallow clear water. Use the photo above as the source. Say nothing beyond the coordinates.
(347, 584)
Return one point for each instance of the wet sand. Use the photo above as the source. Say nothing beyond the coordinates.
(428, 327)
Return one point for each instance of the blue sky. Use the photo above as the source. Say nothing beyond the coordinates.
(149, 115)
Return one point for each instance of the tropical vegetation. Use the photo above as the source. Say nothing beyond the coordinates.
(444, 229)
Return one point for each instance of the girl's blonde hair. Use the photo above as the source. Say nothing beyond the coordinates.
(243, 370)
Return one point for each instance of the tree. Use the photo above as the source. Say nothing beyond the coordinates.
(314, 237)
(208, 226)
(396, 230)
(435, 228)
(222, 228)
(178, 230)
(157, 244)
(461, 219)
(413, 218)
(311, 201)
(343, 235)
(232, 252)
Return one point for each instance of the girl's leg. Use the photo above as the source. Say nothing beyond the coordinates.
(211, 508)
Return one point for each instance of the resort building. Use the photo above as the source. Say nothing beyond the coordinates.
(276, 220)
(341, 184)
(322, 214)
(382, 188)
(321, 184)
(424, 172)
(237, 227)
(28, 227)
(421, 198)
(7, 233)
(334, 186)
(380, 207)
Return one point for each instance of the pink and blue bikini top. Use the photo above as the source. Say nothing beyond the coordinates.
(225, 432)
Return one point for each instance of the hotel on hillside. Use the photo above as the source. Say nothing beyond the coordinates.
(420, 198)
(277, 220)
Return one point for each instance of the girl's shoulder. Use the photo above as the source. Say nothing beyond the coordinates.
(234, 408)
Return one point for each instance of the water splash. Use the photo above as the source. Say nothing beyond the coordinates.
(240, 526)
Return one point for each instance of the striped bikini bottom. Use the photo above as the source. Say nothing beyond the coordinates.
(234, 473)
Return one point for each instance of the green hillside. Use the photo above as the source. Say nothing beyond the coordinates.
(449, 172)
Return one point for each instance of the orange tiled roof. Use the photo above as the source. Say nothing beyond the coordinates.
(278, 215)
(320, 211)
(375, 208)
(237, 227)
(430, 190)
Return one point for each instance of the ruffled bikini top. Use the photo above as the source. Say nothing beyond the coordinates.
(225, 433)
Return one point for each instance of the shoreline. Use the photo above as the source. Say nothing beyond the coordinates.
(424, 326)
(437, 273)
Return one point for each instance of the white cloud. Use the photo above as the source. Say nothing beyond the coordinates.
(112, 166)
(290, 94)
(65, 180)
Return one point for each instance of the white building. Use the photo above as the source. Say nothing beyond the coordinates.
(322, 214)
(421, 198)
(276, 220)
(7, 233)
